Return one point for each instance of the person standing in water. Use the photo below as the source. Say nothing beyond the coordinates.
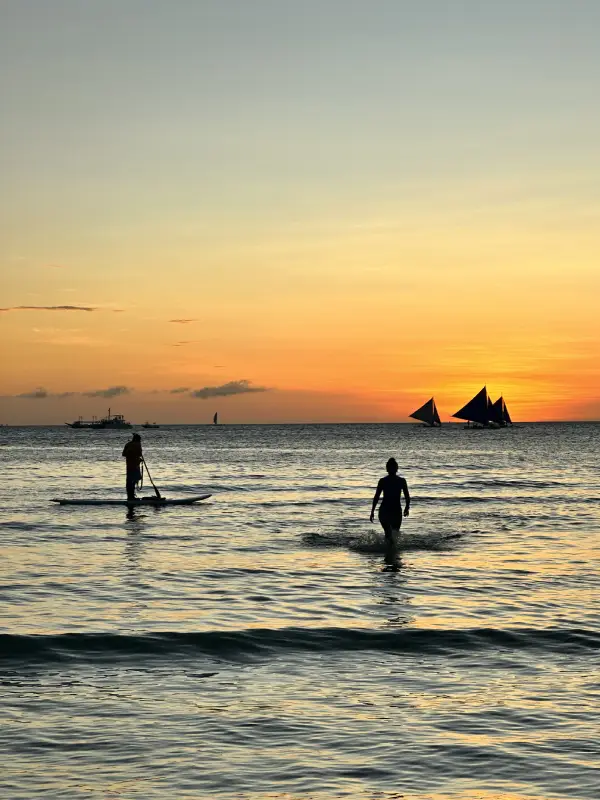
(392, 486)
(132, 453)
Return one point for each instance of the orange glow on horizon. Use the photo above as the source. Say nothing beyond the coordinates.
(356, 232)
(365, 353)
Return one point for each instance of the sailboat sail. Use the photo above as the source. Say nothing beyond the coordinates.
(496, 411)
(428, 414)
(216, 419)
(477, 410)
(500, 413)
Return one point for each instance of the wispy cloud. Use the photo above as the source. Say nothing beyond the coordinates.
(37, 394)
(227, 389)
(187, 341)
(112, 391)
(224, 390)
(47, 308)
(183, 321)
(42, 394)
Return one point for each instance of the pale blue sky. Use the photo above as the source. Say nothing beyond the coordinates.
(251, 107)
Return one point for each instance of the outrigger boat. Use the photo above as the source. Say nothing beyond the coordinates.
(428, 414)
(480, 412)
(477, 411)
(110, 421)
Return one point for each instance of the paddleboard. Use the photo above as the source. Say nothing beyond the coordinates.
(142, 501)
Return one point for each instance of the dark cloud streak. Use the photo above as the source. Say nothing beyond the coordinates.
(112, 391)
(38, 394)
(43, 394)
(47, 308)
(227, 390)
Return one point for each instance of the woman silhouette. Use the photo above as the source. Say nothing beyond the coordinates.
(390, 511)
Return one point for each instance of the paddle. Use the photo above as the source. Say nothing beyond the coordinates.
(151, 481)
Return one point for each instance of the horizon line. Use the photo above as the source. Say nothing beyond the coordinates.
(231, 424)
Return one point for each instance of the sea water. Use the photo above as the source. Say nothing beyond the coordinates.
(265, 644)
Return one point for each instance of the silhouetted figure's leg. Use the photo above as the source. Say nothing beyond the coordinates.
(130, 486)
(390, 523)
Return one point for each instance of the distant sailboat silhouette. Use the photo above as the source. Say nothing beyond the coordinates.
(216, 419)
(428, 414)
(478, 410)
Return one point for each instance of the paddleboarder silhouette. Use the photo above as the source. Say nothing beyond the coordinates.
(132, 453)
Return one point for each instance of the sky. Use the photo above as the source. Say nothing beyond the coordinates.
(298, 212)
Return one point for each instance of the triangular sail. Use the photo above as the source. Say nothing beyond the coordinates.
(500, 413)
(497, 411)
(427, 413)
(477, 409)
(216, 419)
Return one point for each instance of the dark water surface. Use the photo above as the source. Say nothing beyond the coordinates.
(264, 644)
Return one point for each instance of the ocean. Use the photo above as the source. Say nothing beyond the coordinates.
(266, 645)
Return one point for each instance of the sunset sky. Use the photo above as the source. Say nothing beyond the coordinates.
(298, 211)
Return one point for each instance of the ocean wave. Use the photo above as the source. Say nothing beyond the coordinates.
(513, 483)
(470, 499)
(509, 483)
(266, 642)
(347, 502)
(193, 488)
(38, 526)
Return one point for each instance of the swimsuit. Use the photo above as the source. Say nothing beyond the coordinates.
(390, 510)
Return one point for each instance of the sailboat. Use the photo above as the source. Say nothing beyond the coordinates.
(478, 411)
(499, 413)
(428, 414)
(216, 419)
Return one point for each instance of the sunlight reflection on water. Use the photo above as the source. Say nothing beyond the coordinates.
(330, 666)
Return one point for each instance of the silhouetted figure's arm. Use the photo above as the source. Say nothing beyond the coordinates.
(406, 497)
(375, 500)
